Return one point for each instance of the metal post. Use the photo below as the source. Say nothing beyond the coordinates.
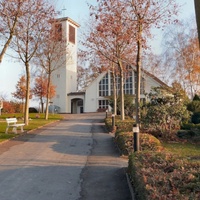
(106, 113)
(136, 137)
(113, 121)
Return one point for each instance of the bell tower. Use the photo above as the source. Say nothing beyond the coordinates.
(65, 77)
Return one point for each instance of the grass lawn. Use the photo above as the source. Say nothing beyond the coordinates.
(36, 120)
(185, 150)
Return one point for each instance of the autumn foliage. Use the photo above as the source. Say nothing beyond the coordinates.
(162, 176)
(40, 89)
(12, 107)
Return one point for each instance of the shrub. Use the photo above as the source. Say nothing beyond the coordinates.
(129, 107)
(196, 117)
(185, 134)
(165, 119)
(148, 142)
(190, 126)
(163, 176)
(194, 106)
(189, 131)
(125, 125)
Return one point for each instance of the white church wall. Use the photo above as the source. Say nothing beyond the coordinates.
(150, 83)
(91, 95)
(65, 77)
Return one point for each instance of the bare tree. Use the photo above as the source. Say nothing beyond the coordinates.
(52, 54)
(197, 9)
(182, 54)
(145, 15)
(111, 37)
(30, 32)
(10, 12)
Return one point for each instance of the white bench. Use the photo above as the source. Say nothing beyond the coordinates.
(12, 122)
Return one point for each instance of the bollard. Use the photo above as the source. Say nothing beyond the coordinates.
(106, 113)
(113, 121)
(136, 142)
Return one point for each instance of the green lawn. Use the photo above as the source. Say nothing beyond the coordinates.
(36, 120)
(185, 150)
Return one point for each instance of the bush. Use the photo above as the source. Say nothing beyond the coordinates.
(125, 125)
(189, 131)
(165, 119)
(149, 143)
(163, 176)
(185, 134)
(196, 118)
(194, 106)
(124, 141)
(129, 107)
(190, 126)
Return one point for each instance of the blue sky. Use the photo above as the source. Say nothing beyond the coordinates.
(78, 11)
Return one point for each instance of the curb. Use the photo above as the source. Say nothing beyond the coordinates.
(130, 187)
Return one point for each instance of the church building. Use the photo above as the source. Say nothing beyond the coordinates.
(94, 98)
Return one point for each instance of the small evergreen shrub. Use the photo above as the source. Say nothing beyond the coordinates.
(125, 125)
(124, 141)
(196, 118)
(190, 126)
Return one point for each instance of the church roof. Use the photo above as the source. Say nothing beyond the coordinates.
(67, 19)
(155, 78)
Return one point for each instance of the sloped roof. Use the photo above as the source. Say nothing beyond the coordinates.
(155, 78)
(144, 71)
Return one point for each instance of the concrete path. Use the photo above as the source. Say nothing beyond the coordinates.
(74, 159)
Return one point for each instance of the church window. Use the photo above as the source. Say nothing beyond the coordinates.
(103, 104)
(71, 34)
(128, 83)
(103, 86)
(58, 32)
(142, 84)
(128, 86)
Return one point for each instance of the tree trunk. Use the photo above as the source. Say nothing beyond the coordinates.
(26, 112)
(197, 9)
(47, 101)
(5, 47)
(138, 66)
(114, 91)
(121, 90)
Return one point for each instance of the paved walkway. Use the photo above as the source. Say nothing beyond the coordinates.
(74, 159)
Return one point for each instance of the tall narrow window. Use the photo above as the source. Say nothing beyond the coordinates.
(142, 84)
(103, 86)
(128, 83)
(58, 32)
(71, 34)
